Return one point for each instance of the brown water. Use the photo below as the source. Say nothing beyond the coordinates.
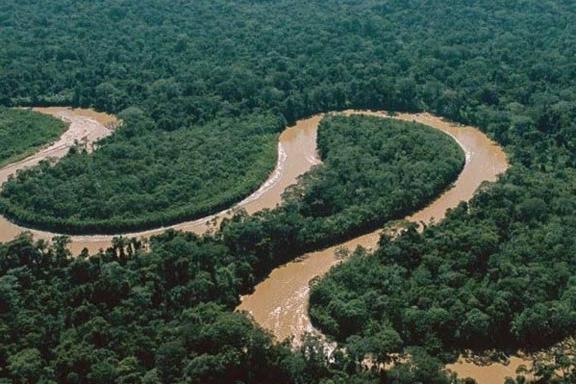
(494, 373)
(296, 155)
(84, 126)
(279, 303)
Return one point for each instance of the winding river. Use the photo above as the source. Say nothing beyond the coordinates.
(296, 155)
(279, 303)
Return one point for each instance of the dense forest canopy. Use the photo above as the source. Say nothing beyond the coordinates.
(374, 170)
(186, 63)
(152, 182)
(134, 316)
(372, 163)
(504, 262)
(376, 165)
(23, 131)
(497, 273)
(163, 316)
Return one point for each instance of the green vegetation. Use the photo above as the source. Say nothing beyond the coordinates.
(22, 131)
(188, 65)
(504, 263)
(497, 273)
(163, 316)
(147, 181)
(130, 315)
(374, 170)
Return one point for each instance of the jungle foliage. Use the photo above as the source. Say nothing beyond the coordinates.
(23, 131)
(160, 316)
(146, 183)
(499, 266)
(188, 64)
(131, 315)
(374, 170)
(504, 262)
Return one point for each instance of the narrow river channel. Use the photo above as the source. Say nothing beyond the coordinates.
(296, 155)
(279, 303)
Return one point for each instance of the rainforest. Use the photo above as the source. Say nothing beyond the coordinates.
(21, 132)
(134, 255)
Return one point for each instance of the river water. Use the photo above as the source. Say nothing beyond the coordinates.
(296, 155)
(84, 126)
(279, 303)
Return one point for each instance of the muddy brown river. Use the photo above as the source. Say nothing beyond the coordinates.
(279, 303)
(296, 155)
(84, 126)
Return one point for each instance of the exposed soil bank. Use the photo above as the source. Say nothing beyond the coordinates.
(296, 155)
(84, 126)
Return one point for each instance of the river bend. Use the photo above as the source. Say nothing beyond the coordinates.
(279, 303)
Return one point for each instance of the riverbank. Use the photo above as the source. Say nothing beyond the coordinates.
(296, 155)
(279, 303)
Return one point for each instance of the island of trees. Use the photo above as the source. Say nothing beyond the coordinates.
(137, 181)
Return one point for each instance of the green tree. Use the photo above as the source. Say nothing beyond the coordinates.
(26, 365)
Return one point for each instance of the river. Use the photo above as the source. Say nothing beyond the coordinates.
(279, 303)
(296, 155)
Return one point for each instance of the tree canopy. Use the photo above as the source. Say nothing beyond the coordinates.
(23, 131)
(163, 315)
(148, 181)
(497, 273)
(185, 65)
